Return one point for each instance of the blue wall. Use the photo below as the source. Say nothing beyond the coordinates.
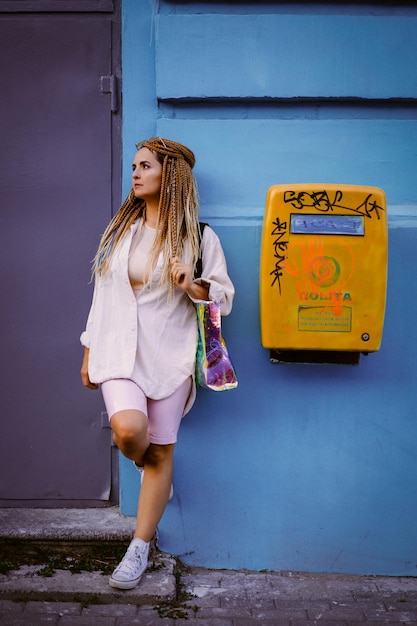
(303, 467)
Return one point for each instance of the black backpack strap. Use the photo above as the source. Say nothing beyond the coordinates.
(199, 264)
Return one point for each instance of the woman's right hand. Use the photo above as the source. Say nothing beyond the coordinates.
(84, 371)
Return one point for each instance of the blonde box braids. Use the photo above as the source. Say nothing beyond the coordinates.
(177, 215)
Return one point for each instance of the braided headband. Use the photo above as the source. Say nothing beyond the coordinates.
(169, 148)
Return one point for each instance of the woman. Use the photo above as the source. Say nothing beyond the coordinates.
(140, 338)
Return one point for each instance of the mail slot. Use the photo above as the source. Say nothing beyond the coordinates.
(323, 268)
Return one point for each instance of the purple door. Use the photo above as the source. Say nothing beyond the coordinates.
(59, 137)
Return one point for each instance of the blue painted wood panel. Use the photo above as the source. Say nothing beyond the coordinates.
(286, 56)
(237, 160)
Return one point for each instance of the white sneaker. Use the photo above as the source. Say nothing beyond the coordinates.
(141, 471)
(130, 569)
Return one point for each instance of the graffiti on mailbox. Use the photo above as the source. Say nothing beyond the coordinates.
(321, 201)
(324, 271)
(280, 245)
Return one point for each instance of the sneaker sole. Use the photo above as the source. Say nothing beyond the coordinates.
(124, 584)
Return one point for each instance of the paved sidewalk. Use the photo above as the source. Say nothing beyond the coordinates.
(226, 598)
(170, 593)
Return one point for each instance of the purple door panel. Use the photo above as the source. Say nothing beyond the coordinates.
(55, 199)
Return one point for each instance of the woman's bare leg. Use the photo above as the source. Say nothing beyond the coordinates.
(130, 433)
(155, 489)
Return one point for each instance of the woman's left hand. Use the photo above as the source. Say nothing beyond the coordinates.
(181, 274)
(184, 279)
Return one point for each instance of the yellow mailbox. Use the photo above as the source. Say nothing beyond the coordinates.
(323, 270)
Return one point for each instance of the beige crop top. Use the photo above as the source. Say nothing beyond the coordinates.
(138, 257)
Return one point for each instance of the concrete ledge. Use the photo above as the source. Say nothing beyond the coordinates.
(60, 531)
(157, 584)
(104, 524)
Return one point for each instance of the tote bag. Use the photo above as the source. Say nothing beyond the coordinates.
(214, 368)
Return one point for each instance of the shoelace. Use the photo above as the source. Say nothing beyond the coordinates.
(129, 562)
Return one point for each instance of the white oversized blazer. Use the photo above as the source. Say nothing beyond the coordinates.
(142, 336)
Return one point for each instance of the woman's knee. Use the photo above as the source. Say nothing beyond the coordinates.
(129, 427)
(159, 454)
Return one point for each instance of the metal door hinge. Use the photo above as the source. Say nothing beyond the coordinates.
(109, 85)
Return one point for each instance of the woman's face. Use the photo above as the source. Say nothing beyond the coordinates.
(146, 176)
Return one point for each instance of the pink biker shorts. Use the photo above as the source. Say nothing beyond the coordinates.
(121, 394)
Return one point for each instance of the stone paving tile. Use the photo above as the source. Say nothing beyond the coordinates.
(147, 617)
(331, 622)
(223, 613)
(402, 617)
(337, 613)
(393, 620)
(59, 608)
(7, 606)
(373, 610)
(26, 619)
(400, 605)
(266, 604)
(396, 585)
(86, 620)
(205, 589)
(316, 605)
(283, 614)
(228, 577)
(255, 580)
(203, 601)
(210, 622)
(230, 602)
(114, 610)
(411, 595)
(201, 579)
(275, 621)
(372, 604)
(335, 591)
